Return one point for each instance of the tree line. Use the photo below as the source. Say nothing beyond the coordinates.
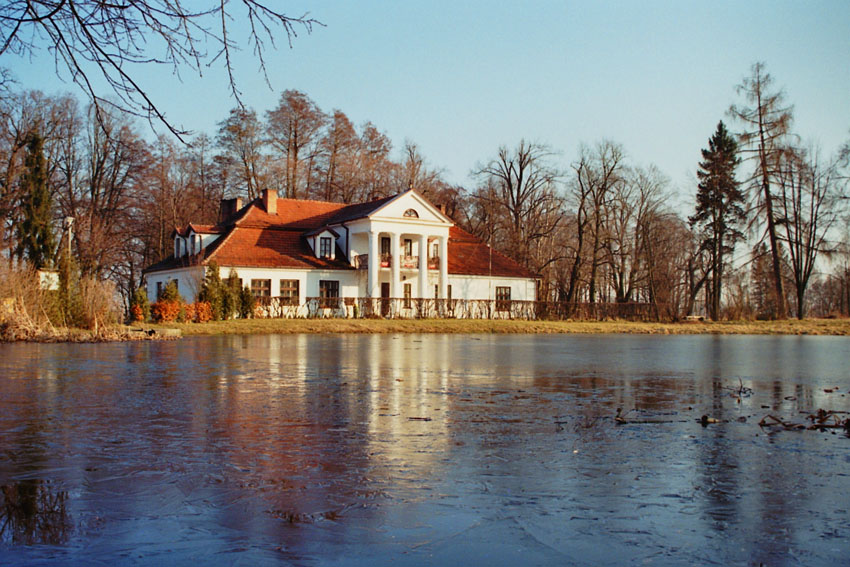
(767, 236)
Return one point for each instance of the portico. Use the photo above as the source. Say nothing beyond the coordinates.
(404, 256)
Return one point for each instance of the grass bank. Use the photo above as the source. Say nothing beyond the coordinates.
(10, 333)
(290, 326)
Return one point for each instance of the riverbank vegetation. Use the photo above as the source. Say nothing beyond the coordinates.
(293, 326)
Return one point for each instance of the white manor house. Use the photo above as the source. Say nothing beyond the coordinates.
(399, 256)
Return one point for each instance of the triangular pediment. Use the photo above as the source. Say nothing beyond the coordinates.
(410, 206)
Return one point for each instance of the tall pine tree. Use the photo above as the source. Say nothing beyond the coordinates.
(719, 210)
(35, 235)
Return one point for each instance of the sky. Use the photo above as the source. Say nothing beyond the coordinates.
(460, 79)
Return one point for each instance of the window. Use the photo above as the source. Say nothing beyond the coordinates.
(385, 252)
(408, 247)
(328, 293)
(449, 292)
(325, 247)
(435, 250)
(158, 290)
(411, 213)
(289, 292)
(436, 291)
(261, 288)
(408, 293)
(503, 298)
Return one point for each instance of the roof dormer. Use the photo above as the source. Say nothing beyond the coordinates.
(323, 243)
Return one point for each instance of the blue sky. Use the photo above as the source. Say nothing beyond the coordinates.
(462, 78)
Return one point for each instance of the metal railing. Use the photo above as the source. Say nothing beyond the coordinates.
(401, 308)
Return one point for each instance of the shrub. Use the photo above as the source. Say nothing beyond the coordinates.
(166, 311)
(203, 312)
(189, 313)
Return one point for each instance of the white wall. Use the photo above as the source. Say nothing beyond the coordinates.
(308, 285)
(188, 282)
(484, 287)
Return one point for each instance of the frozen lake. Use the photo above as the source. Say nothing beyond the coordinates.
(424, 449)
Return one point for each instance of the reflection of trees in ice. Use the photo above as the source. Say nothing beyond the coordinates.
(33, 512)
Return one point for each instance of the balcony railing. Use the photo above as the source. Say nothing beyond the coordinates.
(361, 262)
(409, 262)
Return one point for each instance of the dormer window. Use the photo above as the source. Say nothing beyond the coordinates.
(411, 213)
(325, 246)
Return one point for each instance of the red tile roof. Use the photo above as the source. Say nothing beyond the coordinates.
(469, 256)
(271, 248)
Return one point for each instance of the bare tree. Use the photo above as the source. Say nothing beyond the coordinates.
(767, 123)
(339, 147)
(92, 40)
(374, 168)
(597, 172)
(293, 129)
(240, 139)
(808, 202)
(521, 187)
(105, 167)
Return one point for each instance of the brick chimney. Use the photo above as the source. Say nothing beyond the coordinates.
(228, 208)
(270, 201)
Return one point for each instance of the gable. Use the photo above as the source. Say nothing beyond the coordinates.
(407, 203)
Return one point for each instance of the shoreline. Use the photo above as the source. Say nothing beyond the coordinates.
(831, 327)
(172, 331)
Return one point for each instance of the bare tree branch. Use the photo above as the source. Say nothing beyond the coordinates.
(91, 39)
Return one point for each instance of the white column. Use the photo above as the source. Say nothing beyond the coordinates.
(395, 265)
(444, 266)
(423, 266)
(374, 265)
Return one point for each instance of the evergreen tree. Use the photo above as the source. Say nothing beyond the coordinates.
(140, 308)
(231, 296)
(70, 298)
(246, 303)
(35, 235)
(170, 292)
(212, 291)
(719, 209)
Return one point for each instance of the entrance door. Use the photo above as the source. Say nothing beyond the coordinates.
(385, 299)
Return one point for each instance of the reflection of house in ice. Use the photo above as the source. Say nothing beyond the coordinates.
(310, 416)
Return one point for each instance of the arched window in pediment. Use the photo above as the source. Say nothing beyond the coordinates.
(411, 213)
